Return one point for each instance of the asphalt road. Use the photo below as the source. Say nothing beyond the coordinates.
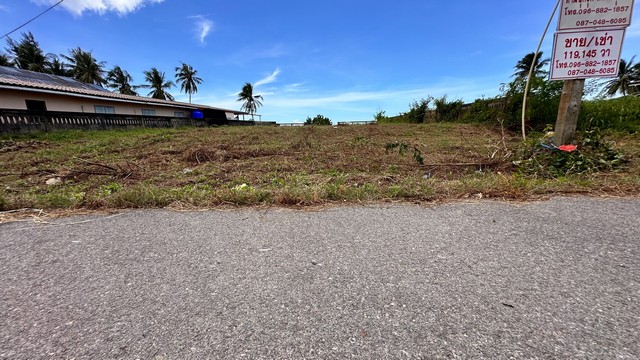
(556, 279)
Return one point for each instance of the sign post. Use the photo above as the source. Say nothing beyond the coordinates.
(587, 44)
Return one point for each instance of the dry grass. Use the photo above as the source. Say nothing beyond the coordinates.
(302, 166)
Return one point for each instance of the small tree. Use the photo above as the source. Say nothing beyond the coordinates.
(318, 120)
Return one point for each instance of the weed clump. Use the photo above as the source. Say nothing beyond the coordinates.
(541, 158)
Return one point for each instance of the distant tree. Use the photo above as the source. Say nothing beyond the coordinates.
(628, 75)
(318, 120)
(158, 84)
(84, 67)
(120, 81)
(186, 75)
(27, 54)
(57, 67)
(523, 66)
(5, 60)
(250, 101)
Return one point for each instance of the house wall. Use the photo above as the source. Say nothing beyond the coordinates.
(15, 99)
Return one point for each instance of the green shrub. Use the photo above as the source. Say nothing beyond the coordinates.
(318, 120)
(403, 148)
(593, 154)
(483, 110)
(418, 111)
(620, 114)
(381, 117)
(542, 104)
(447, 110)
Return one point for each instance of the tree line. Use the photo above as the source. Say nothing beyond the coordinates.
(81, 65)
(543, 97)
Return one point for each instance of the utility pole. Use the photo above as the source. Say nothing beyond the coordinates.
(569, 111)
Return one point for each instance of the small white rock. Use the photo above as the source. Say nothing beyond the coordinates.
(54, 181)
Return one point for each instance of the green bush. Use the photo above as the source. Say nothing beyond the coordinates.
(542, 104)
(447, 110)
(482, 111)
(418, 110)
(620, 114)
(381, 117)
(318, 120)
(593, 154)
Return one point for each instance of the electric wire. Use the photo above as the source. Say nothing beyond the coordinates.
(28, 22)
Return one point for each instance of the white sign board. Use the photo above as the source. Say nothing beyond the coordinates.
(589, 14)
(586, 54)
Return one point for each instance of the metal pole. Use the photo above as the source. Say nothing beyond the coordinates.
(535, 56)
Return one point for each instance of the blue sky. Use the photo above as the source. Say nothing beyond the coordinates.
(345, 59)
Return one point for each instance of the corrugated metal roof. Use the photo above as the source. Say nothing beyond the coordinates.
(60, 84)
(46, 79)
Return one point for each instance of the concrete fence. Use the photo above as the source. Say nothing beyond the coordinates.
(20, 121)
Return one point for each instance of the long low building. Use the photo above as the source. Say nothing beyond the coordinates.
(34, 93)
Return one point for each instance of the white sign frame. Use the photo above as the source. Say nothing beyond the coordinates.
(586, 54)
(600, 14)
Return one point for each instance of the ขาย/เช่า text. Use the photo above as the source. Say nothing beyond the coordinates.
(584, 41)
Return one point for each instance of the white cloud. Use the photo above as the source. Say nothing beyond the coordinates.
(121, 7)
(295, 88)
(203, 27)
(269, 79)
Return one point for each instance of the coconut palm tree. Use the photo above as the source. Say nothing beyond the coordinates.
(523, 66)
(158, 84)
(84, 67)
(628, 74)
(57, 67)
(27, 53)
(251, 102)
(120, 80)
(186, 76)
